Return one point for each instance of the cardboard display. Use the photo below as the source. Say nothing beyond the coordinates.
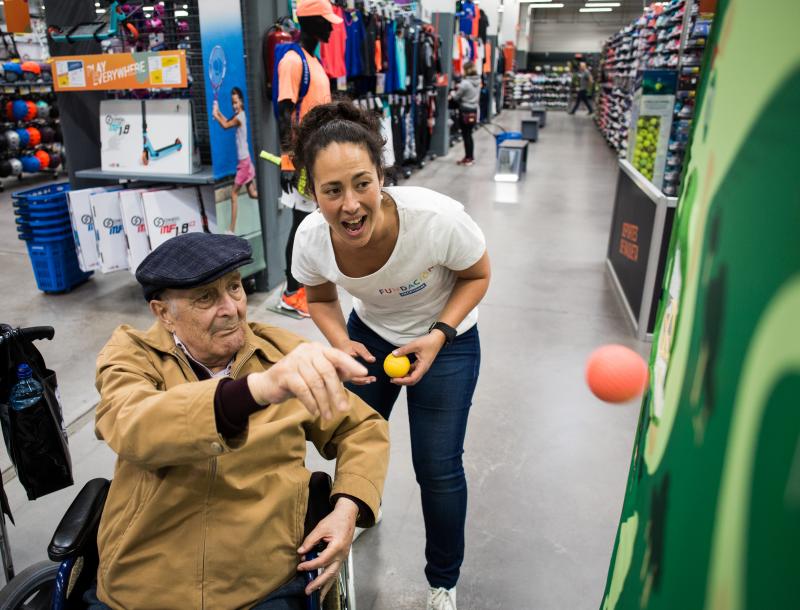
(111, 247)
(171, 213)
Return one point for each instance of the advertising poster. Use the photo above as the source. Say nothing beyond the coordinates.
(112, 71)
(711, 514)
(226, 92)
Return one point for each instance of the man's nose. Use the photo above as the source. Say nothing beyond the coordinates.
(227, 305)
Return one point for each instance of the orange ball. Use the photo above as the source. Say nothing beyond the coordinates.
(43, 157)
(616, 373)
(35, 136)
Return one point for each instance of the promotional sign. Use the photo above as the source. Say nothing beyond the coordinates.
(651, 120)
(17, 16)
(711, 513)
(110, 71)
(226, 91)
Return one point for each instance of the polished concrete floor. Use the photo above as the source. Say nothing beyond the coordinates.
(546, 462)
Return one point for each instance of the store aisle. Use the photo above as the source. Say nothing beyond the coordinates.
(546, 462)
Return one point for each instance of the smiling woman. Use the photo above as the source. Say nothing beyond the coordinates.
(417, 267)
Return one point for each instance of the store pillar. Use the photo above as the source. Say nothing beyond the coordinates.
(444, 23)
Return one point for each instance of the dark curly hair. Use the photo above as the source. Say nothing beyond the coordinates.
(337, 122)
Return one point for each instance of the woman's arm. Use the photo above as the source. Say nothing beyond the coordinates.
(470, 287)
(323, 305)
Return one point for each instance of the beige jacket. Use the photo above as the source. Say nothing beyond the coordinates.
(194, 520)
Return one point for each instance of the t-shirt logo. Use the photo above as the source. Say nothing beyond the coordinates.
(409, 288)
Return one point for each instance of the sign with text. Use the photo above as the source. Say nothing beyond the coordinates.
(159, 70)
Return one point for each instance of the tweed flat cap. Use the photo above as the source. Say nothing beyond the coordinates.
(191, 260)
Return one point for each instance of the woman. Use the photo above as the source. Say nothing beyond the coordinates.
(417, 267)
(245, 172)
(468, 95)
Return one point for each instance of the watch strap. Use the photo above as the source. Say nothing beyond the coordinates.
(448, 331)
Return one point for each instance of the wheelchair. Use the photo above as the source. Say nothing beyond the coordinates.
(60, 584)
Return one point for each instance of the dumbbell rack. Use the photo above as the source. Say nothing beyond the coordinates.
(24, 89)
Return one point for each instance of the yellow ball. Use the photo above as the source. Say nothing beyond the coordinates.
(396, 366)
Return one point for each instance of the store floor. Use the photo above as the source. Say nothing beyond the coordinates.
(546, 462)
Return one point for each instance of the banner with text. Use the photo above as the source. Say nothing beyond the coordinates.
(157, 70)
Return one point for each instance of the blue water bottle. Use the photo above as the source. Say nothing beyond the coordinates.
(27, 391)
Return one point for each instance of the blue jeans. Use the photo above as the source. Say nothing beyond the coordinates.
(290, 596)
(438, 407)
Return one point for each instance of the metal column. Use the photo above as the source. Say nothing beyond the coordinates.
(444, 24)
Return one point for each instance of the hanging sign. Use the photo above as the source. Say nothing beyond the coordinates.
(150, 70)
(18, 16)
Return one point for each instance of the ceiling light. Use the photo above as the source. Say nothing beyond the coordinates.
(534, 1)
(594, 4)
(181, 14)
(554, 5)
(594, 9)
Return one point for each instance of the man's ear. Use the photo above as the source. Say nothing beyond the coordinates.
(161, 311)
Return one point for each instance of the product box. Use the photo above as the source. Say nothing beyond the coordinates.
(170, 213)
(135, 226)
(82, 220)
(147, 136)
(121, 135)
(651, 120)
(111, 247)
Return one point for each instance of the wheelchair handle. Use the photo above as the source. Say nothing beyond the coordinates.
(36, 333)
(33, 333)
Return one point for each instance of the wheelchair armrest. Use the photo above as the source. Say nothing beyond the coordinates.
(79, 525)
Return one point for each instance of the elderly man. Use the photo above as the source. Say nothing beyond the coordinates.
(209, 417)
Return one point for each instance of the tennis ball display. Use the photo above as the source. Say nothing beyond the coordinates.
(644, 153)
(396, 366)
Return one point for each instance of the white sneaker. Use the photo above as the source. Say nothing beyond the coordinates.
(440, 598)
(361, 530)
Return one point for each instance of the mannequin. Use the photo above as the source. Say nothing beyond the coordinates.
(316, 21)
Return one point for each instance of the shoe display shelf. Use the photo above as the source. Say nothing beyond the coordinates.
(668, 36)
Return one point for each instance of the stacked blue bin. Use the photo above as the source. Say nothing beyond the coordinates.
(43, 223)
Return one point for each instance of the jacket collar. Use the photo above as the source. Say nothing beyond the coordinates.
(158, 338)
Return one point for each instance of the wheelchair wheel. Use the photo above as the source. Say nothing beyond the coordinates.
(342, 595)
(31, 589)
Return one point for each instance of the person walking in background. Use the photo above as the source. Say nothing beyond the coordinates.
(468, 95)
(245, 171)
(585, 86)
(416, 266)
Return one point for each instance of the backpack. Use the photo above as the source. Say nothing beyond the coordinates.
(305, 81)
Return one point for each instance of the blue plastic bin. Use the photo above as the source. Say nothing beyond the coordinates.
(55, 264)
(502, 137)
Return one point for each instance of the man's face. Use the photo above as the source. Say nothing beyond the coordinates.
(209, 319)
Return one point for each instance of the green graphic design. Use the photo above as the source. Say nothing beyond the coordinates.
(711, 516)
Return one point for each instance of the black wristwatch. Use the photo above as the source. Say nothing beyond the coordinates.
(449, 332)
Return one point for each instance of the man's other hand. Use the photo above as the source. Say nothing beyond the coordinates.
(336, 530)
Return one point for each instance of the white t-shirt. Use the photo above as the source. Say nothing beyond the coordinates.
(242, 150)
(404, 297)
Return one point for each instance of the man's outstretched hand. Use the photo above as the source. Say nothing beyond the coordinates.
(313, 373)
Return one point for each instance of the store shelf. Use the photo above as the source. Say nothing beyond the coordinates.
(204, 176)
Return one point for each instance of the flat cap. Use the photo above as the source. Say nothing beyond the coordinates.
(191, 260)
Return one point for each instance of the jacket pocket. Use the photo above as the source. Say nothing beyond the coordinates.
(142, 492)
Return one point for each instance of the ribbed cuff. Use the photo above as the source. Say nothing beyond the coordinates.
(233, 406)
